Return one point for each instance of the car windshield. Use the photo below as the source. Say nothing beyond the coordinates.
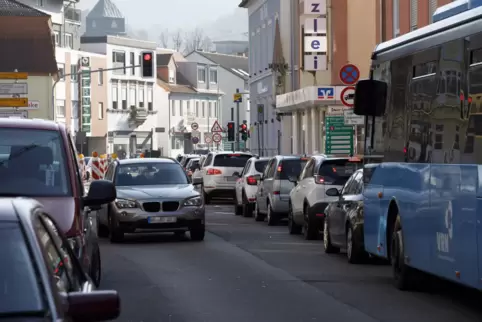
(193, 164)
(337, 172)
(32, 163)
(260, 165)
(234, 160)
(150, 174)
(291, 168)
(19, 283)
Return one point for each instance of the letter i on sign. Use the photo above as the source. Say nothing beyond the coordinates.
(315, 62)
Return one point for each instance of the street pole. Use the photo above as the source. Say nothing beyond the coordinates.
(78, 74)
(232, 118)
(238, 148)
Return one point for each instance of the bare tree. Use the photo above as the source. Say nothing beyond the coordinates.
(197, 40)
(177, 40)
(164, 39)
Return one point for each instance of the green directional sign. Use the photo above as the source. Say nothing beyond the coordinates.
(339, 137)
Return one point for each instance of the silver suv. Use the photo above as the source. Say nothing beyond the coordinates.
(220, 172)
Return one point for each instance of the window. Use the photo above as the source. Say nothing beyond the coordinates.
(115, 97)
(213, 75)
(203, 109)
(75, 109)
(119, 60)
(209, 109)
(197, 108)
(432, 6)
(20, 287)
(38, 171)
(150, 98)
(396, 18)
(173, 107)
(215, 109)
(337, 172)
(188, 108)
(132, 96)
(74, 77)
(101, 110)
(101, 76)
(40, 3)
(57, 38)
(124, 97)
(201, 74)
(150, 174)
(141, 97)
(69, 41)
(231, 160)
(133, 63)
(180, 108)
(60, 104)
(61, 68)
(413, 14)
(171, 76)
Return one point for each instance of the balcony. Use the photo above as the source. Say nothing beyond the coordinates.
(73, 15)
(137, 115)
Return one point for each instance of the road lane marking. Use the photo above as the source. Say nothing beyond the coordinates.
(297, 243)
(223, 213)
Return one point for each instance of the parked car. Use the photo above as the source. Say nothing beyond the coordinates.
(308, 199)
(343, 225)
(217, 174)
(272, 199)
(186, 158)
(42, 164)
(191, 166)
(41, 277)
(153, 195)
(247, 186)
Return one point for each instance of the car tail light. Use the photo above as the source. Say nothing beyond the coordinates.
(189, 173)
(276, 192)
(319, 179)
(280, 168)
(251, 181)
(211, 172)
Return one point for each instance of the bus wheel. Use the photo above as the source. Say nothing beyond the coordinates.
(402, 274)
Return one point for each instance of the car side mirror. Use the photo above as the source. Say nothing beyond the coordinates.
(333, 192)
(93, 306)
(370, 97)
(100, 192)
(293, 179)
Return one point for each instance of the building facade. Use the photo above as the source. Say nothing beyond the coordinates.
(136, 108)
(230, 73)
(194, 98)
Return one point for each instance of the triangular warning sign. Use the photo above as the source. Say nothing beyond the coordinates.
(216, 127)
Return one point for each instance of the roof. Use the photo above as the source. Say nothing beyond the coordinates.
(30, 124)
(18, 53)
(176, 88)
(12, 8)
(243, 4)
(163, 59)
(105, 9)
(146, 160)
(238, 65)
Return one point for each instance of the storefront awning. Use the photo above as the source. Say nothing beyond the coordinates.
(312, 96)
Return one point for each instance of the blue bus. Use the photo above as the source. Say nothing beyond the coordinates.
(423, 112)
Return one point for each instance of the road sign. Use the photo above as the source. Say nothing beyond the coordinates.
(352, 119)
(217, 137)
(347, 96)
(237, 97)
(195, 140)
(208, 137)
(194, 126)
(216, 127)
(13, 88)
(13, 75)
(14, 114)
(349, 74)
(339, 137)
(13, 102)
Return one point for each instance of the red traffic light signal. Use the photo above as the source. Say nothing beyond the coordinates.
(230, 125)
(244, 127)
(147, 57)
(147, 64)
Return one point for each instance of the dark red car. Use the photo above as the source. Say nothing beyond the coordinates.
(38, 159)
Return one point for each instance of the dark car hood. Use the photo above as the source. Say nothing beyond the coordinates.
(175, 191)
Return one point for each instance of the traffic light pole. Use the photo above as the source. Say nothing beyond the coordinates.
(238, 148)
(232, 118)
(78, 74)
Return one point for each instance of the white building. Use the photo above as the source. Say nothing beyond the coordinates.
(137, 109)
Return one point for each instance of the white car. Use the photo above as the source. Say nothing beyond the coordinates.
(247, 186)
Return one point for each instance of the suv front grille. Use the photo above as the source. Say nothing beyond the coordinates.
(170, 206)
(152, 206)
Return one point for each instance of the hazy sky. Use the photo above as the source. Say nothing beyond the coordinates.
(171, 14)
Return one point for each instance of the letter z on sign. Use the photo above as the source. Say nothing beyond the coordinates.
(315, 7)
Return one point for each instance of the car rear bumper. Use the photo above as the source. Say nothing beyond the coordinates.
(316, 214)
(280, 206)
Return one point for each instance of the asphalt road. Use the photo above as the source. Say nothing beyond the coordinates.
(245, 271)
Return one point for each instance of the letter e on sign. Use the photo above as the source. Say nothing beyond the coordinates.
(315, 7)
(315, 44)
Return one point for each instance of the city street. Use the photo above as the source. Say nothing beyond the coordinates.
(245, 271)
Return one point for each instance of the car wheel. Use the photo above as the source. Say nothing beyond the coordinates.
(238, 210)
(115, 234)
(272, 216)
(207, 201)
(310, 231)
(354, 252)
(327, 245)
(247, 207)
(257, 215)
(197, 233)
(293, 227)
(96, 268)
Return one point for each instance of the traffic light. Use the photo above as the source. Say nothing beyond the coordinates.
(231, 132)
(244, 131)
(147, 65)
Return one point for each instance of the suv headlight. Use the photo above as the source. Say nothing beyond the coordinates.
(125, 203)
(193, 202)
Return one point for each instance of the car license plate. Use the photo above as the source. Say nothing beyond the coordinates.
(161, 220)
(231, 178)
